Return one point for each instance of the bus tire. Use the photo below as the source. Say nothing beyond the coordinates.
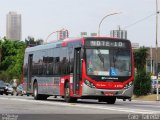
(67, 96)
(111, 100)
(44, 97)
(35, 91)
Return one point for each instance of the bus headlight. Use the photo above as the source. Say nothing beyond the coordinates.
(128, 85)
(90, 84)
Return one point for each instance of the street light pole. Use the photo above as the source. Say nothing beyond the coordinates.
(53, 33)
(157, 12)
(102, 21)
(50, 35)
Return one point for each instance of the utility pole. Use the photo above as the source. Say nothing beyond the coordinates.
(151, 59)
(157, 12)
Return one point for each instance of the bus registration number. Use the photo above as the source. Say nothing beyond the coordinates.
(109, 93)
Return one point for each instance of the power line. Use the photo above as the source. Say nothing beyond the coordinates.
(138, 21)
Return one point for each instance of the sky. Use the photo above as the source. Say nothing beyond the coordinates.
(42, 17)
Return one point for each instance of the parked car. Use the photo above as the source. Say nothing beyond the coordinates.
(20, 90)
(2, 87)
(154, 86)
(9, 89)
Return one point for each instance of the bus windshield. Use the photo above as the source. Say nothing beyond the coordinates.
(106, 62)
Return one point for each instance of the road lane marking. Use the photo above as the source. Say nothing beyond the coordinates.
(141, 101)
(147, 106)
(127, 110)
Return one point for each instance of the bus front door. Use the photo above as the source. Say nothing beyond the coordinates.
(29, 76)
(77, 76)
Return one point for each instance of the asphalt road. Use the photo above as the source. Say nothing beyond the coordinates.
(26, 108)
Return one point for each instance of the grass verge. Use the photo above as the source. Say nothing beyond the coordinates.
(151, 97)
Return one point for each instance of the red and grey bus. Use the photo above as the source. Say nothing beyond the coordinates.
(99, 68)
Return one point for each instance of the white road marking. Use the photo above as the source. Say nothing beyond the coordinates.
(141, 101)
(121, 109)
(148, 106)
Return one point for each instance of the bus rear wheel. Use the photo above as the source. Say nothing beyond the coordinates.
(67, 96)
(35, 91)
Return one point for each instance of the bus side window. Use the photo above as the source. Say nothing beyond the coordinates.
(40, 72)
(71, 65)
(50, 62)
(57, 65)
(44, 65)
(54, 65)
(50, 65)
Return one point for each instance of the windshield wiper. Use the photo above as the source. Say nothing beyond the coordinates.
(100, 56)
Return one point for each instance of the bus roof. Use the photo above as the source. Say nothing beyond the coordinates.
(54, 44)
(41, 47)
(50, 45)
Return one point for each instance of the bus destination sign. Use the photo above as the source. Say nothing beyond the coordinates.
(102, 43)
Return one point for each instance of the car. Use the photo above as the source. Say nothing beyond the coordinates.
(9, 89)
(154, 85)
(20, 90)
(2, 87)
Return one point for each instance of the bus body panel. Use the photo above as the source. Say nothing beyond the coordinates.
(121, 93)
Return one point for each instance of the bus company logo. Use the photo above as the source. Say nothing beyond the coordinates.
(103, 78)
(110, 78)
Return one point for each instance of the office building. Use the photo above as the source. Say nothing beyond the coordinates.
(13, 26)
(119, 33)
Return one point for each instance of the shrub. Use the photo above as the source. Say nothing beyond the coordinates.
(142, 83)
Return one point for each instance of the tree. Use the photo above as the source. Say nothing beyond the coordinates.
(30, 41)
(142, 83)
(140, 56)
(12, 59)
(15, 70)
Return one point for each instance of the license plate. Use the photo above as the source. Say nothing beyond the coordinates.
(109, 93)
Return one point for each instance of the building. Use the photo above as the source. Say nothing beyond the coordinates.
(135, 45)
(119, 33)
(151, 60)
(13, 26)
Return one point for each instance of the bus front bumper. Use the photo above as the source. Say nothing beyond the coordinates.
(119, 93)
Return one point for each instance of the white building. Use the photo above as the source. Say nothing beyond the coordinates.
(13, 26)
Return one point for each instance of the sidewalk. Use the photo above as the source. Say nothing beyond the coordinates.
(152, 97)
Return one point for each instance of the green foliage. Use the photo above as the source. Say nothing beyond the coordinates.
(142, 83)
(30, 41)
(140, 56)
(12, 59)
